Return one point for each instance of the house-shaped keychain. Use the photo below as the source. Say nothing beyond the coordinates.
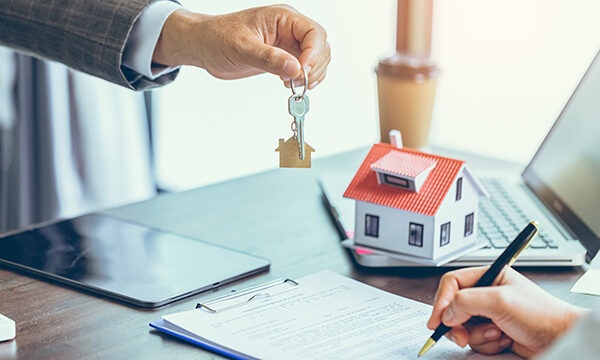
(289, 156)
(414, 203)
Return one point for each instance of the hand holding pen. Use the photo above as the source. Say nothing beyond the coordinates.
(522, 316)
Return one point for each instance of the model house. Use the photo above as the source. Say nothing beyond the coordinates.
(289, 155)
(414, 203)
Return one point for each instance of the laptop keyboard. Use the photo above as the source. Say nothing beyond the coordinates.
(501, 218)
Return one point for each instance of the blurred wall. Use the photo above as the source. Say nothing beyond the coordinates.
(507, 69)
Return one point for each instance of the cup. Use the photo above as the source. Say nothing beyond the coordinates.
(406, 92)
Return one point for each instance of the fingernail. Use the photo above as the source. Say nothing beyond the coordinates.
(290, 67)
(448, 315)
(308, 69)
(491, 333)
(505, 341)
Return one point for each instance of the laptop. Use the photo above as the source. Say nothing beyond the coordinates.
(560, 188)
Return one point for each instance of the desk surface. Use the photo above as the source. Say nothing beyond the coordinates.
(256, 214)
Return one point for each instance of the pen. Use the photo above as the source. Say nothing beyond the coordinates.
(333, 214)
(508, 257)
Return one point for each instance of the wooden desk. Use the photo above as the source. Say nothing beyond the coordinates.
(276, 214)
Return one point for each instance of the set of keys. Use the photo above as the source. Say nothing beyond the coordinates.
(295, 152)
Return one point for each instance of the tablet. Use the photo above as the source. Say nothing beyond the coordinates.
(125, 261)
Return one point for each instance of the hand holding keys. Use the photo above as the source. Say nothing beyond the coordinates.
(298, 106)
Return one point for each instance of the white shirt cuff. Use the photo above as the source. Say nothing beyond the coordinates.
(142, 40)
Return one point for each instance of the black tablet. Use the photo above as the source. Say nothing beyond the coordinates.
(125, 261)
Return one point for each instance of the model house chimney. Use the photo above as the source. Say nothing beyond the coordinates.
(396, 138)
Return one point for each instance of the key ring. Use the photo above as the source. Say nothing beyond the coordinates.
(305, 83)
(294, 130)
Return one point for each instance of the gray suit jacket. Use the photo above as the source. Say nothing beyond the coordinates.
(86, 35)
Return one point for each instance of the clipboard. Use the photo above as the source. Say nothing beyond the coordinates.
(322, 315)
(235, 299)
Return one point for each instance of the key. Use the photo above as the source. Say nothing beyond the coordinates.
(298, 106)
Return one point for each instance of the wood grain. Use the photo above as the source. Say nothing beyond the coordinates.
(258, 214)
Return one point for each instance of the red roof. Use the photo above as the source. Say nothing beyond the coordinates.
(402, 163)
(364, 186)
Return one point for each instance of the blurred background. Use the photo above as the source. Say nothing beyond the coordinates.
(71, 143)
(507, 70)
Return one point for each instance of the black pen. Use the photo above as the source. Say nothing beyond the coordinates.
(333, 214)
(508, 257)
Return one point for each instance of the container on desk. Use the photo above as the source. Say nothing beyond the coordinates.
(407, 80)
(406, 89)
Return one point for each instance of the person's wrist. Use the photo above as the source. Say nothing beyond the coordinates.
(178, 40)
(571, 315)
(574, 315)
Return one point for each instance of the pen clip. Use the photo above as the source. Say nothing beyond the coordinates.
(243, 297)
(516, 255)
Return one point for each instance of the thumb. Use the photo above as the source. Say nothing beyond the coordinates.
(483, 301)
(273, 60)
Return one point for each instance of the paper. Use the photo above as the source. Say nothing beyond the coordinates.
(589, 283)
(328, 316)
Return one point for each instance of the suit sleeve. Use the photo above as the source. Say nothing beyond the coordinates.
(86, 35)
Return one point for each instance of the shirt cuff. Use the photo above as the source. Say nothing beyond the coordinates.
(142, 40)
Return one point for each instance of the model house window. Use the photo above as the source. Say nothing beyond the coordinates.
(459, 188)
(445, 234)
(395, 180)
(469, 219)
(372, 225)
(415, 235)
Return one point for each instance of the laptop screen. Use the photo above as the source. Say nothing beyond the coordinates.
(565, 171)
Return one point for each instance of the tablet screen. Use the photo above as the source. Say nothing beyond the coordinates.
(124, 260)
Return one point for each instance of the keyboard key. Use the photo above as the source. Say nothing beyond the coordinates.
(538, 244)
(493, 232)
(551, 244)
(485, 223)
(497, 243)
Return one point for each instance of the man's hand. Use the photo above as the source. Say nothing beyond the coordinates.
(522, 316)
(274, 39)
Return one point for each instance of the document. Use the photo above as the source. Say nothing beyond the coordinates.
(327, 316)
(589, 283)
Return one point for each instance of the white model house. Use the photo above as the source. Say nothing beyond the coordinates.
(414, 203)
